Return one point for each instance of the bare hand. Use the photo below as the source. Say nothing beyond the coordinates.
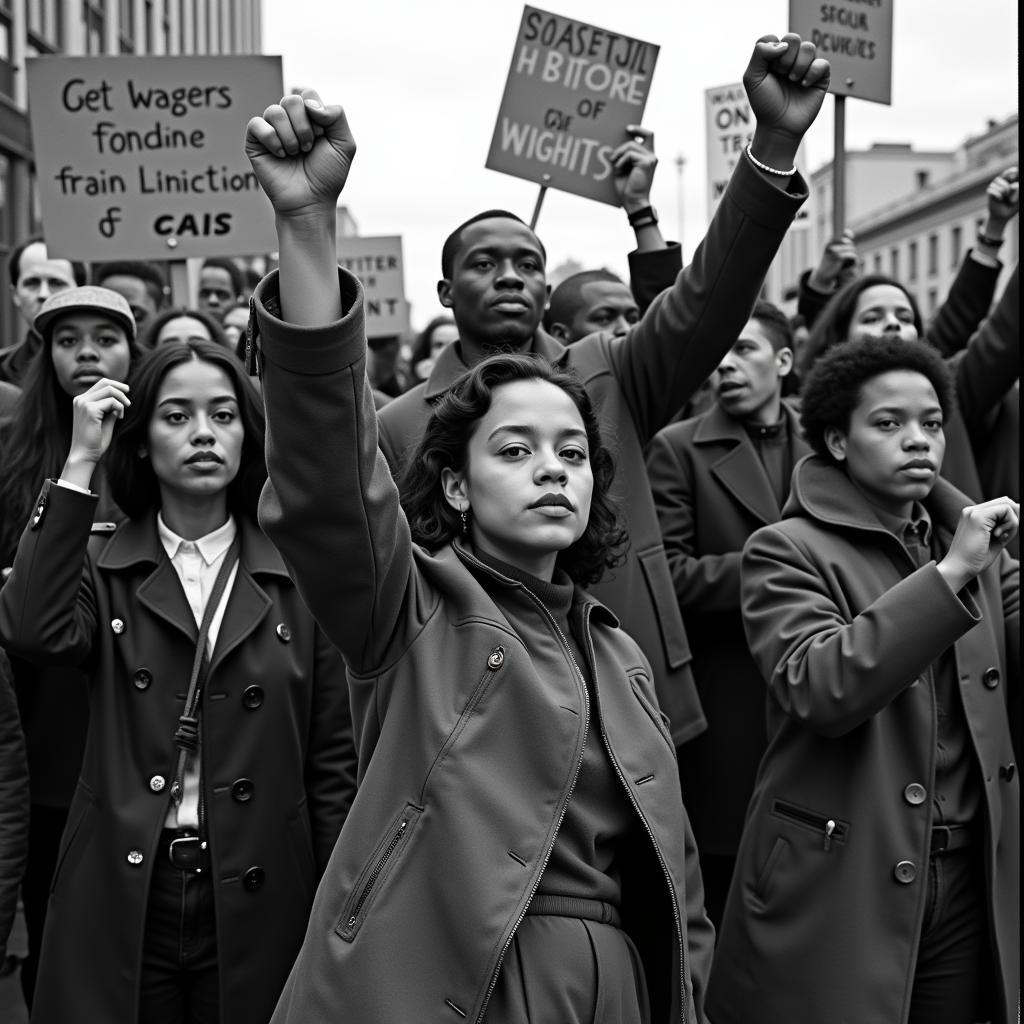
(981, 534)
(93, 415)
(634, 163)
(838, 264)
(786, 83)
(301, 151)
(1003, 195)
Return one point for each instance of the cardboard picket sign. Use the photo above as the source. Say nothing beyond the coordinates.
(142, 157)
(855, 37)
(571, 90)
(377, 262)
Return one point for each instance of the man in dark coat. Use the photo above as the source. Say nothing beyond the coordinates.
(716, 478)
(494, 283)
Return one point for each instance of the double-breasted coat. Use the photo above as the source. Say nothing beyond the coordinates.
(712, 492)
(824, 924)
(277, 755)
(468, 753)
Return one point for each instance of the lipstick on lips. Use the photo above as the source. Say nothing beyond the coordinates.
(552, 498)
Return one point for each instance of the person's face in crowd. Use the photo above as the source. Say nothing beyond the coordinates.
(182, 328)
(894, 444)
(136, 294)
(527, 482)
(604, 306)
(381, 360)
(235, 322)
(195, 433)
(748, 381)
(216, 292)
(85, 347)
(442, 336)
(498, 289)
(38, 278)
(882, 311)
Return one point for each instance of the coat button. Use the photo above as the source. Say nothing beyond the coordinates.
(253, 879)
(135, 858)
(990, 677)
(157, 783)
(914, 793)
(142, 678)
(497, 658)
(242, 790)
(1007, 771)
(284, 633)
(905, 872)
(118, 626)
(252, 697)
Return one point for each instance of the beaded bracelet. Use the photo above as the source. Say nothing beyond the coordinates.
(769, 170)
(989, 240)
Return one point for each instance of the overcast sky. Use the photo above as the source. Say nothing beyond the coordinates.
(421, 81)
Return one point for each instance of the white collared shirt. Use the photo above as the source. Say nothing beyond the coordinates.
(197, 563)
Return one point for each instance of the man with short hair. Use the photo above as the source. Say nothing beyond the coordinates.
(34, 276)
(494, 282)
(588, 302)
(715, 479)
(221, 286)
(139, 282)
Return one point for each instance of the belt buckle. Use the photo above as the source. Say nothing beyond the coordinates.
(187, 853)
(942, 835)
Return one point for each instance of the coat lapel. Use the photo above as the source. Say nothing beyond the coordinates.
(137, 543)
(739, 470)
(248, 603)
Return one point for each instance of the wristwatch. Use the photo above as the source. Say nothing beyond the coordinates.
(644, 217)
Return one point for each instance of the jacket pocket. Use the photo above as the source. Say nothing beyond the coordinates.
(77, 830)
(830, 830)
(657, 716)
(375, 874)
(764, 877)
(666, 606)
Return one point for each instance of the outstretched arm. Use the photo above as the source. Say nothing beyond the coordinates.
(330, 505)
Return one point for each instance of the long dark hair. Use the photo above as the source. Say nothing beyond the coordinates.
(133, 483)
(34, 442)
(832, 327)
(445, 444)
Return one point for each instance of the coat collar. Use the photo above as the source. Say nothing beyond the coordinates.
(137, 542)
(739, 470)
(823, 491)
(581, 598)
(450, 365)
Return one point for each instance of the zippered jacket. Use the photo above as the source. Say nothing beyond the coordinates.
(467, 756)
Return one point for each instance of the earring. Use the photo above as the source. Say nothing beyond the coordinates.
(464, 516)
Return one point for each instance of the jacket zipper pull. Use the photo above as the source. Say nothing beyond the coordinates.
(830, 827)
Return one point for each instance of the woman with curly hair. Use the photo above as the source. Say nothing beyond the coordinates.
(517, 849)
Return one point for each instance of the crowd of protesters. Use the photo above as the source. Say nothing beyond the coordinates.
(616, 653)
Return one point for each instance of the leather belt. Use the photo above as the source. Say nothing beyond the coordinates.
(950, 838)
(185, 850)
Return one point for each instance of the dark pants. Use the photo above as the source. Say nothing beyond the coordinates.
(953, 978)
(180, 982)
(45, 827)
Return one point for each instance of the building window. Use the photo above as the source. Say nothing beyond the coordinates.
(127, 25)
(878, 263)
(6, 218)
(6, 67)
(912, 261)
(922, 179)
(894, 263)
(45, 25)
(933, 254)
(93, 19)
(933, 302)
(956, 242)
(150, 27)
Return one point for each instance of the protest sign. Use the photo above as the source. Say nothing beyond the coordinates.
(142, 157)
(855, 37)
(730, 129)
(571, 90)
(377, 262)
